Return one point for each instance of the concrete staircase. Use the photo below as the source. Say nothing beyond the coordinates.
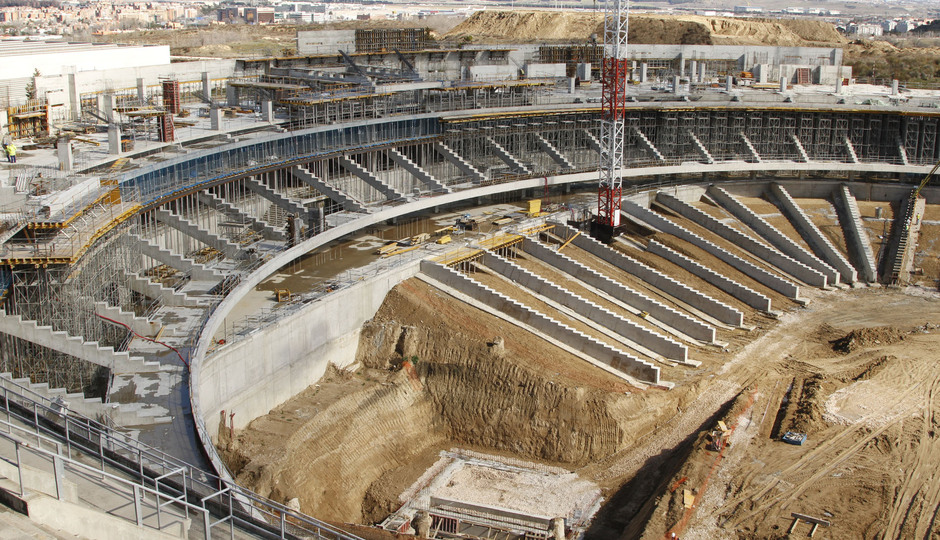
(423, 176)
(348, 203)
(61, 341)
(799, 147)
(546, 327)
(735, 289)
(902, 153)
(770, 233)
(286, 203)
(447, 153)
(757, 249)
(750, 147)
(372, 180)
(592, 141)
(904, 234)
(701, 148)
(819, 243)
(553, 152)
(636, 300)
(853, 157)
(587, 311)
(140, 325)
(756, 273)
(218, 203)
(186, 265)
(510, 160)
(649, 144)
(187, 227)
(856, 236)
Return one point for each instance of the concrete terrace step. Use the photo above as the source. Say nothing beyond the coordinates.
(721, 312)
(553, 152)
(813, 236)
(166, 295)
(756, 273)
(770, 233)
(757, 249)
(475, 175)
(629, 330)
(58, 340)
(264, 228)
(636, 300)
(619, 360)
(187, 227)
(735, 289)
(506, 156)
(856, 237)
(423, 176)
(649, 144)
(281, 201)
(799, 147)
(348, 203)
(186, 265)
(373, 181)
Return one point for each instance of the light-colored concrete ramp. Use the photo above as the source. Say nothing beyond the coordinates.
(855, 235)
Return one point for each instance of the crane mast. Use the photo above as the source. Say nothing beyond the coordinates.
(613, 98)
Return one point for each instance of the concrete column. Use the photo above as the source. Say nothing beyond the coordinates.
(141, 90)
(215, 118)
(701, 72)
(206, 87)
(114, 139)
(693, 71)
(729, 83)
(838, 85)
(231, 95)
(675, 84)
(894, 87)
(571, 85)
(643, 72)
(267, 111)
(64, 151)
(681, 65)
(783, 84)
(75, 103)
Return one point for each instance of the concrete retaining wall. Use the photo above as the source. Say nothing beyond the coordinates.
(252, 376)
(813, 236)
(761, 251)
(627, 329)
(756, 273)
(735, 289)
(639, 369)
(771, 234)
(681, 322)
(655, 278)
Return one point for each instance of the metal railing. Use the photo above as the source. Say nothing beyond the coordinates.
(165, 478)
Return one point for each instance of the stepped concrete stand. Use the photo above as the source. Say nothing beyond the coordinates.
(855, 235)
(348, 203)
(281, 201)
(598, 315)
(218, 203)
(771, 234)
(758, 274)
(187, 227)
(165, 295)
(758, 249)
(745, 294)
(619, 360)
(679, 321)
(423, 176)
(447, 153)
(372, 180)
(198, 272)
(557, 156)
(813, 236)
(510, 160)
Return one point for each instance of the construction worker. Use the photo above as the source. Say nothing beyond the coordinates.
(11, 153)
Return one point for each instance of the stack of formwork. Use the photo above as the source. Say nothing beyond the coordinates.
(171, 96)
(167, 133)
(391, 39)
(29, 120)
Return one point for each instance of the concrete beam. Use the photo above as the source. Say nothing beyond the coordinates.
(423, 176)
(595, 280)
(771, 234)
(633, 333)
(388, 191)
(619, 360)
(756, 273)
(761, 251)
(216, 242)
(819, 243)
(855, 235)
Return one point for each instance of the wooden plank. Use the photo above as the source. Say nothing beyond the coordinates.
(810, 519)
(688, 498)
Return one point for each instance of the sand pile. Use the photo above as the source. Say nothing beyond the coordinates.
(868, 337)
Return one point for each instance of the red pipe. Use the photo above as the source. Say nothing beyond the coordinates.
(145, 338)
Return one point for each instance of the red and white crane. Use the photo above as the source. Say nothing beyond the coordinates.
(614, 74)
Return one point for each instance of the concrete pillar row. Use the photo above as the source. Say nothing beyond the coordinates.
(643, 72)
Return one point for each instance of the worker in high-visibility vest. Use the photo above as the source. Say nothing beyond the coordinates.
(11, 153)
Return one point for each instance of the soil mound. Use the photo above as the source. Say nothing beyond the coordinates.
(512, 26)
(861, 338)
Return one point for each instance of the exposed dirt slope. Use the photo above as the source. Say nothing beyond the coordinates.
(518, 26)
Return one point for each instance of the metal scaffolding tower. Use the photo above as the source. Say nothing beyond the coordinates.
(613, 100)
